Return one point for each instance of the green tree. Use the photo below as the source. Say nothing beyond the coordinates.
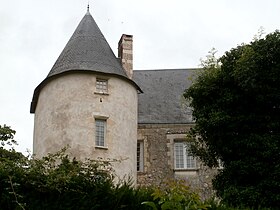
(236, 106)
(7, 136)
(60, 182)
(7, 142)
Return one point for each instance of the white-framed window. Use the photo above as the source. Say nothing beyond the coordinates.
(101, 85)
(182, 158)
(100, 132)
(140, 156)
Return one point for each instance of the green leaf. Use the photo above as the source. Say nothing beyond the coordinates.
(149, 203)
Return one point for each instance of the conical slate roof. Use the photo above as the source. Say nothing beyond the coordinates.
(86, 51)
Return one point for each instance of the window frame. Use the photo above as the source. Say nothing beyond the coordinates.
(100, 84)
(101, 143)
(187, 162)
(140, 156)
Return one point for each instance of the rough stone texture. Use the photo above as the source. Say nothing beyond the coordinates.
(159, 158)
(66, 112)
(157, 163)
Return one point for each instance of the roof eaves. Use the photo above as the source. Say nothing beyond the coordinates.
(50, 78)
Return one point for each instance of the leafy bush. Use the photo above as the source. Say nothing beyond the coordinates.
(175, 195)
(58, 182)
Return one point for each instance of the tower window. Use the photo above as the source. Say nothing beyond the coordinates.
(100, 131)
(101, 85)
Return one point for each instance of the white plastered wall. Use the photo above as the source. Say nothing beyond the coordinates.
(66, 112)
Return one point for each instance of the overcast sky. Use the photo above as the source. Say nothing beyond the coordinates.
(167, 34)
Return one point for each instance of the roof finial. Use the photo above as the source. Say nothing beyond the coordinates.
(88, 9)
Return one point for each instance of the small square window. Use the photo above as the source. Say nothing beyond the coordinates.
(101, 86)
(100, 131)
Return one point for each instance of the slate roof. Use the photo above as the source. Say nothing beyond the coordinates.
(162, 101)
(86, 51)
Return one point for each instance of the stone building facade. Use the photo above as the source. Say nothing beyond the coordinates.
(95, 103)
(159, 158)
(158, 154)
(164, 118)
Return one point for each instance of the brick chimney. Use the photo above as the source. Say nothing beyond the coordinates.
(125, 53)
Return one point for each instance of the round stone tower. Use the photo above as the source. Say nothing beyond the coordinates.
(88, 102)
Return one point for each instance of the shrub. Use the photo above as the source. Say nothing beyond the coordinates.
(58, 182)
(175, 195)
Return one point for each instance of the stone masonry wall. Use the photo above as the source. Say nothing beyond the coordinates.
(158, 142)
(157, 165)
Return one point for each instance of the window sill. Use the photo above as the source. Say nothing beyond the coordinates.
(101, 93)
(101, 147)
(185, 169)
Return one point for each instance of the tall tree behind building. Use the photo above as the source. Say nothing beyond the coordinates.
(236, 105)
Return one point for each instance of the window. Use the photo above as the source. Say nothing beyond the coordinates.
(220, 164)
(140, 156)
(101, 86)
(100, 129)
(182, 160)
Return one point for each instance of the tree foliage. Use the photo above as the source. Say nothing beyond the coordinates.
(236, 105)
(59, 182)
(176, 195)
(7, 136)
(7, 151)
